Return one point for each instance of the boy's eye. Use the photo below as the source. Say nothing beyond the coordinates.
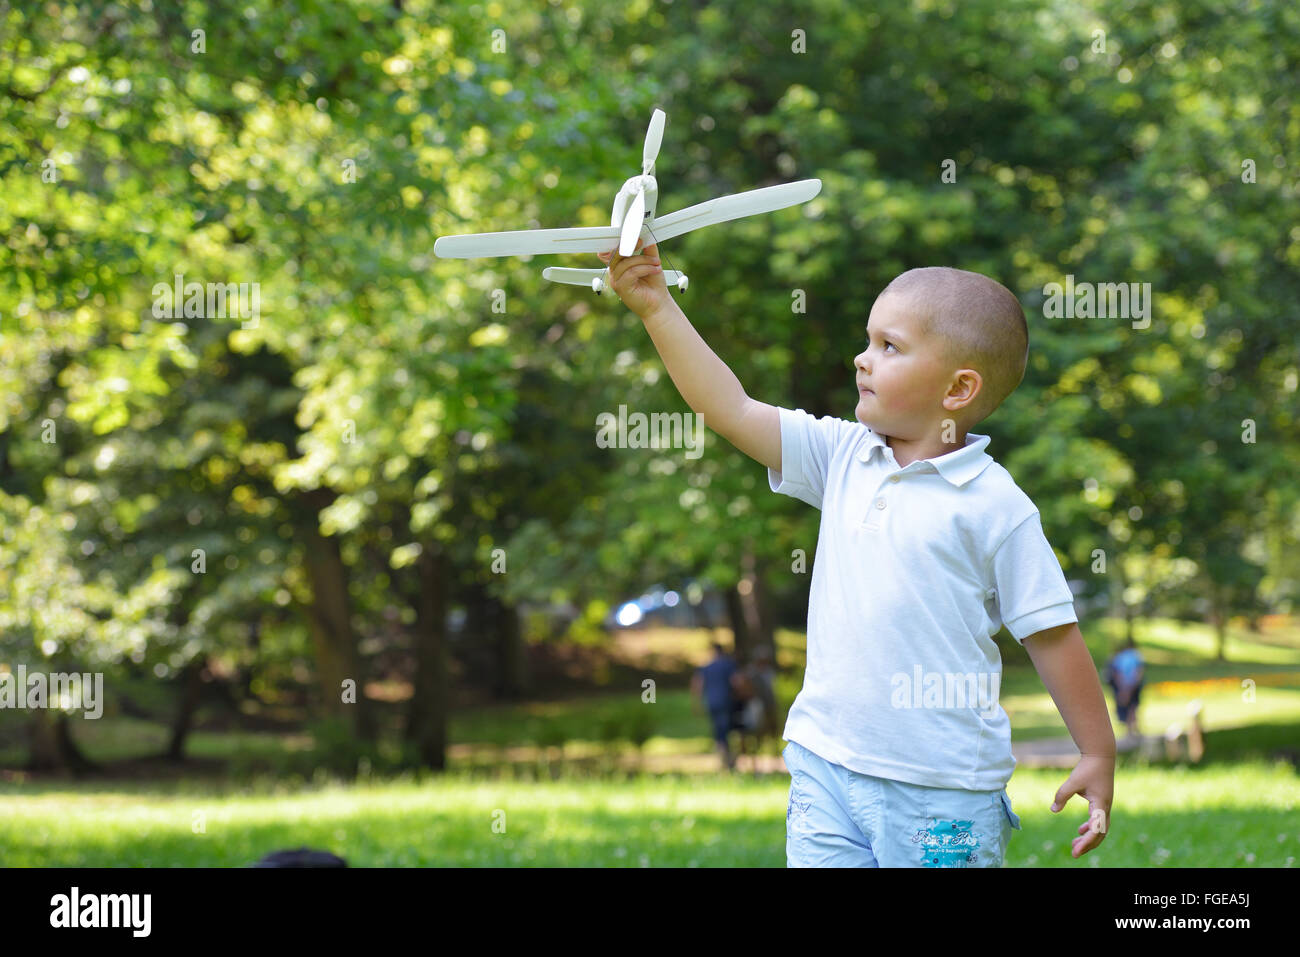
(889, 344)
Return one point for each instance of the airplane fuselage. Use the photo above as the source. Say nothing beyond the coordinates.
(623, 201)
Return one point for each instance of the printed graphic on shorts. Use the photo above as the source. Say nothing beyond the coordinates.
(798, 807)
(947, 843)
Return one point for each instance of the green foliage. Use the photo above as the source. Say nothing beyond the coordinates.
(380, 400)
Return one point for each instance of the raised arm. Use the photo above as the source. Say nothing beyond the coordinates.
(704, 381)
(712, 389)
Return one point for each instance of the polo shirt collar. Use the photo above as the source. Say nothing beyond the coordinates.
(958, 467)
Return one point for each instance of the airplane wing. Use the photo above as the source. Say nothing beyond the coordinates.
(735, 206)
(583, 277)
(602, 239)
(528, 242)
(572, 277)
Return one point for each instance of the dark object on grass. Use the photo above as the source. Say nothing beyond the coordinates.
(301, 857)
(1289, 755)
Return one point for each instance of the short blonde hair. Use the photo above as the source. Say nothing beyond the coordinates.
(980, 323)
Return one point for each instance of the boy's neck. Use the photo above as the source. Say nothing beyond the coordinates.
(931, 447)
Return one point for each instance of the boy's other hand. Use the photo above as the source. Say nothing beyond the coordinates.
(638, 280)
(1093, 779)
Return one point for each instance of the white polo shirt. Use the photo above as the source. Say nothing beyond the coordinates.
(916, 570)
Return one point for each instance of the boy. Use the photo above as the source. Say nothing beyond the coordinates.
(898, 750)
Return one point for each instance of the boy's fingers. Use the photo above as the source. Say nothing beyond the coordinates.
(1065, 792)
(1082, 845)
(623, 263)
(637, 272)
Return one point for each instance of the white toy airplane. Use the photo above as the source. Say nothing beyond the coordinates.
(632, 224)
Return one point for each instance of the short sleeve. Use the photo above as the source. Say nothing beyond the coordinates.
(1032, 593)
(806, 446)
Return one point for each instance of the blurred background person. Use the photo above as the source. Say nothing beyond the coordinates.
(715, 685)
(1124, 674)
(758, 712)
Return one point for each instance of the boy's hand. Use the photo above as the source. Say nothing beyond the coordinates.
(638, 280)
(1093, 778)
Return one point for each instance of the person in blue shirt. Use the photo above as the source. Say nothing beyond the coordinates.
(713, 684)
(1124, 674)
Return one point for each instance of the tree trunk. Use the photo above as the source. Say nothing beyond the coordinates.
(472, 647)
(329, 618)
(51, 746)
(492, 648)
(248, 672)
(739, 627)
(42, 743)
(750, 608)
(714, 624)
(1220, 617)
(511, 657)
(426, 724)
(766, 614)
(191, 689)
(68, 751)
(1117, 588)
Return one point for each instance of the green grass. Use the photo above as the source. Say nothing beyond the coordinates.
(1221, 816)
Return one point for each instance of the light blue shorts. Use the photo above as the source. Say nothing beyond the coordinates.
(840, 818)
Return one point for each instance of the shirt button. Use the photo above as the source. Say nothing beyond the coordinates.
(893, 478)
(880, 503)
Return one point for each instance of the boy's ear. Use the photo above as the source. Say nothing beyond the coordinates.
(966, 385)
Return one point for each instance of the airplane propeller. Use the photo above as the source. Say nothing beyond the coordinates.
(635, 217)
(653, 137)
(632, 224)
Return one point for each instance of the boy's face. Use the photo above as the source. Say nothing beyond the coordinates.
(906, 372)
